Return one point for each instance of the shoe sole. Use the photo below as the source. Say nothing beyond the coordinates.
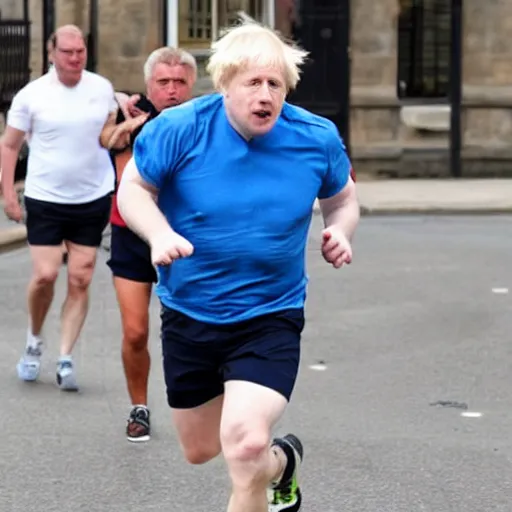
(140, 439)
(67, 383)
(296, 507)
(69, 390)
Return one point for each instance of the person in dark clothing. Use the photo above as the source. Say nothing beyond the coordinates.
(170, 75)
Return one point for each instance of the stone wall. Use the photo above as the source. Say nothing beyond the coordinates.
(128, 31)
(36, 34)
(391, 137)
(11, 8)
(386, 134)
(488, 73)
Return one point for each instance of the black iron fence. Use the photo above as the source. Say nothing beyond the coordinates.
(424, 41)
(14, 59)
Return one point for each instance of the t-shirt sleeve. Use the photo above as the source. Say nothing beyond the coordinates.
(20, 115)
(162, 143)
(338, 165)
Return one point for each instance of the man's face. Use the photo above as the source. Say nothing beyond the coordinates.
(69, 58)
(254, 100)
(170, 85)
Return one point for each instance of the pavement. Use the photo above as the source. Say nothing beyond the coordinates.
(12, 234)
(486, 196)
(388, 197)
(403, 400)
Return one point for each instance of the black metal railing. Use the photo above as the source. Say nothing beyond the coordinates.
(14, 59)
(424, 41)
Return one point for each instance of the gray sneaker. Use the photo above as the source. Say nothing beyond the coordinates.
(29, 365)
(66, 378)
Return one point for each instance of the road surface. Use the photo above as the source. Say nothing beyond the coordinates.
(398, 346)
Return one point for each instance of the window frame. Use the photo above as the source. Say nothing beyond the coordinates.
(175, 31)
(412, 68)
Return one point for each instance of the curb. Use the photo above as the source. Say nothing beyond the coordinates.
(12, 238)
(16, 236)
(428, 210)
(434, 210)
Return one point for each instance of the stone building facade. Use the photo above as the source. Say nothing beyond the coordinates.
(408, 136)
(390, 133)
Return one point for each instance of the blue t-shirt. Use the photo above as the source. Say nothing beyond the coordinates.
(245, 206)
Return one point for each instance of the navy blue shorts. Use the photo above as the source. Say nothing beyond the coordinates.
(51, 224)
(199, 357)
(130, 256)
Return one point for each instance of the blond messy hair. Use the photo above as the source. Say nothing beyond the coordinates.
(251, 44)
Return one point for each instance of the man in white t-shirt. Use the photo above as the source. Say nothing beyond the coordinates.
(68, 188)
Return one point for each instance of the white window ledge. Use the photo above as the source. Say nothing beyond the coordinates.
(432, 118)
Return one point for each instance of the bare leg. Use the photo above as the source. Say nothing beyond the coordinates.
(74, 310)
(199, 429)
(46, 262)
(134, 299)
(249, 414)
(239, 423)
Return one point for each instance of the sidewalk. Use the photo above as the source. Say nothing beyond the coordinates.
(12, 234)
(386, 197)
(472, 196)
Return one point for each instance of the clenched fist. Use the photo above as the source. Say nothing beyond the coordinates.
(336, 248)
(12, 209)
(168, 247)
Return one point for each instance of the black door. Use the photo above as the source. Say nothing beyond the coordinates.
(322, 27)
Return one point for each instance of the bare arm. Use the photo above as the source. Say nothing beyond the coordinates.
(126, 105)
(136, 201)
(108, 130)
(12, 140)
(118, 135)
(341, 211)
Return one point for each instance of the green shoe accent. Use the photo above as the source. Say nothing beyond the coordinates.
(286, 496)
(290, 495)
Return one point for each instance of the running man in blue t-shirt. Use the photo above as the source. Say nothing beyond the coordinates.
(235, 176)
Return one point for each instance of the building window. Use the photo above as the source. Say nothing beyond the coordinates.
(424, 49)
(199, 21)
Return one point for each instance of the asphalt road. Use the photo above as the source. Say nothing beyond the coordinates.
(422, 316)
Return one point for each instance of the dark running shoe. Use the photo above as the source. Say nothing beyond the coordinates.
(285, 496)
(138, 429)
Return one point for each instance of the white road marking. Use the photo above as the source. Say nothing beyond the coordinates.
(469, 414)
(500, 291)
(318, 367)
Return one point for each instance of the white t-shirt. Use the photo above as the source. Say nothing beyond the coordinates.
(66, 163)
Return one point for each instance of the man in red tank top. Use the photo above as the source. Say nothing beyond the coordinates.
(170, 75)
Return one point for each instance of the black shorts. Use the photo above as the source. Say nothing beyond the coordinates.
(53, 223)
(199, 357)
(130, 256)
